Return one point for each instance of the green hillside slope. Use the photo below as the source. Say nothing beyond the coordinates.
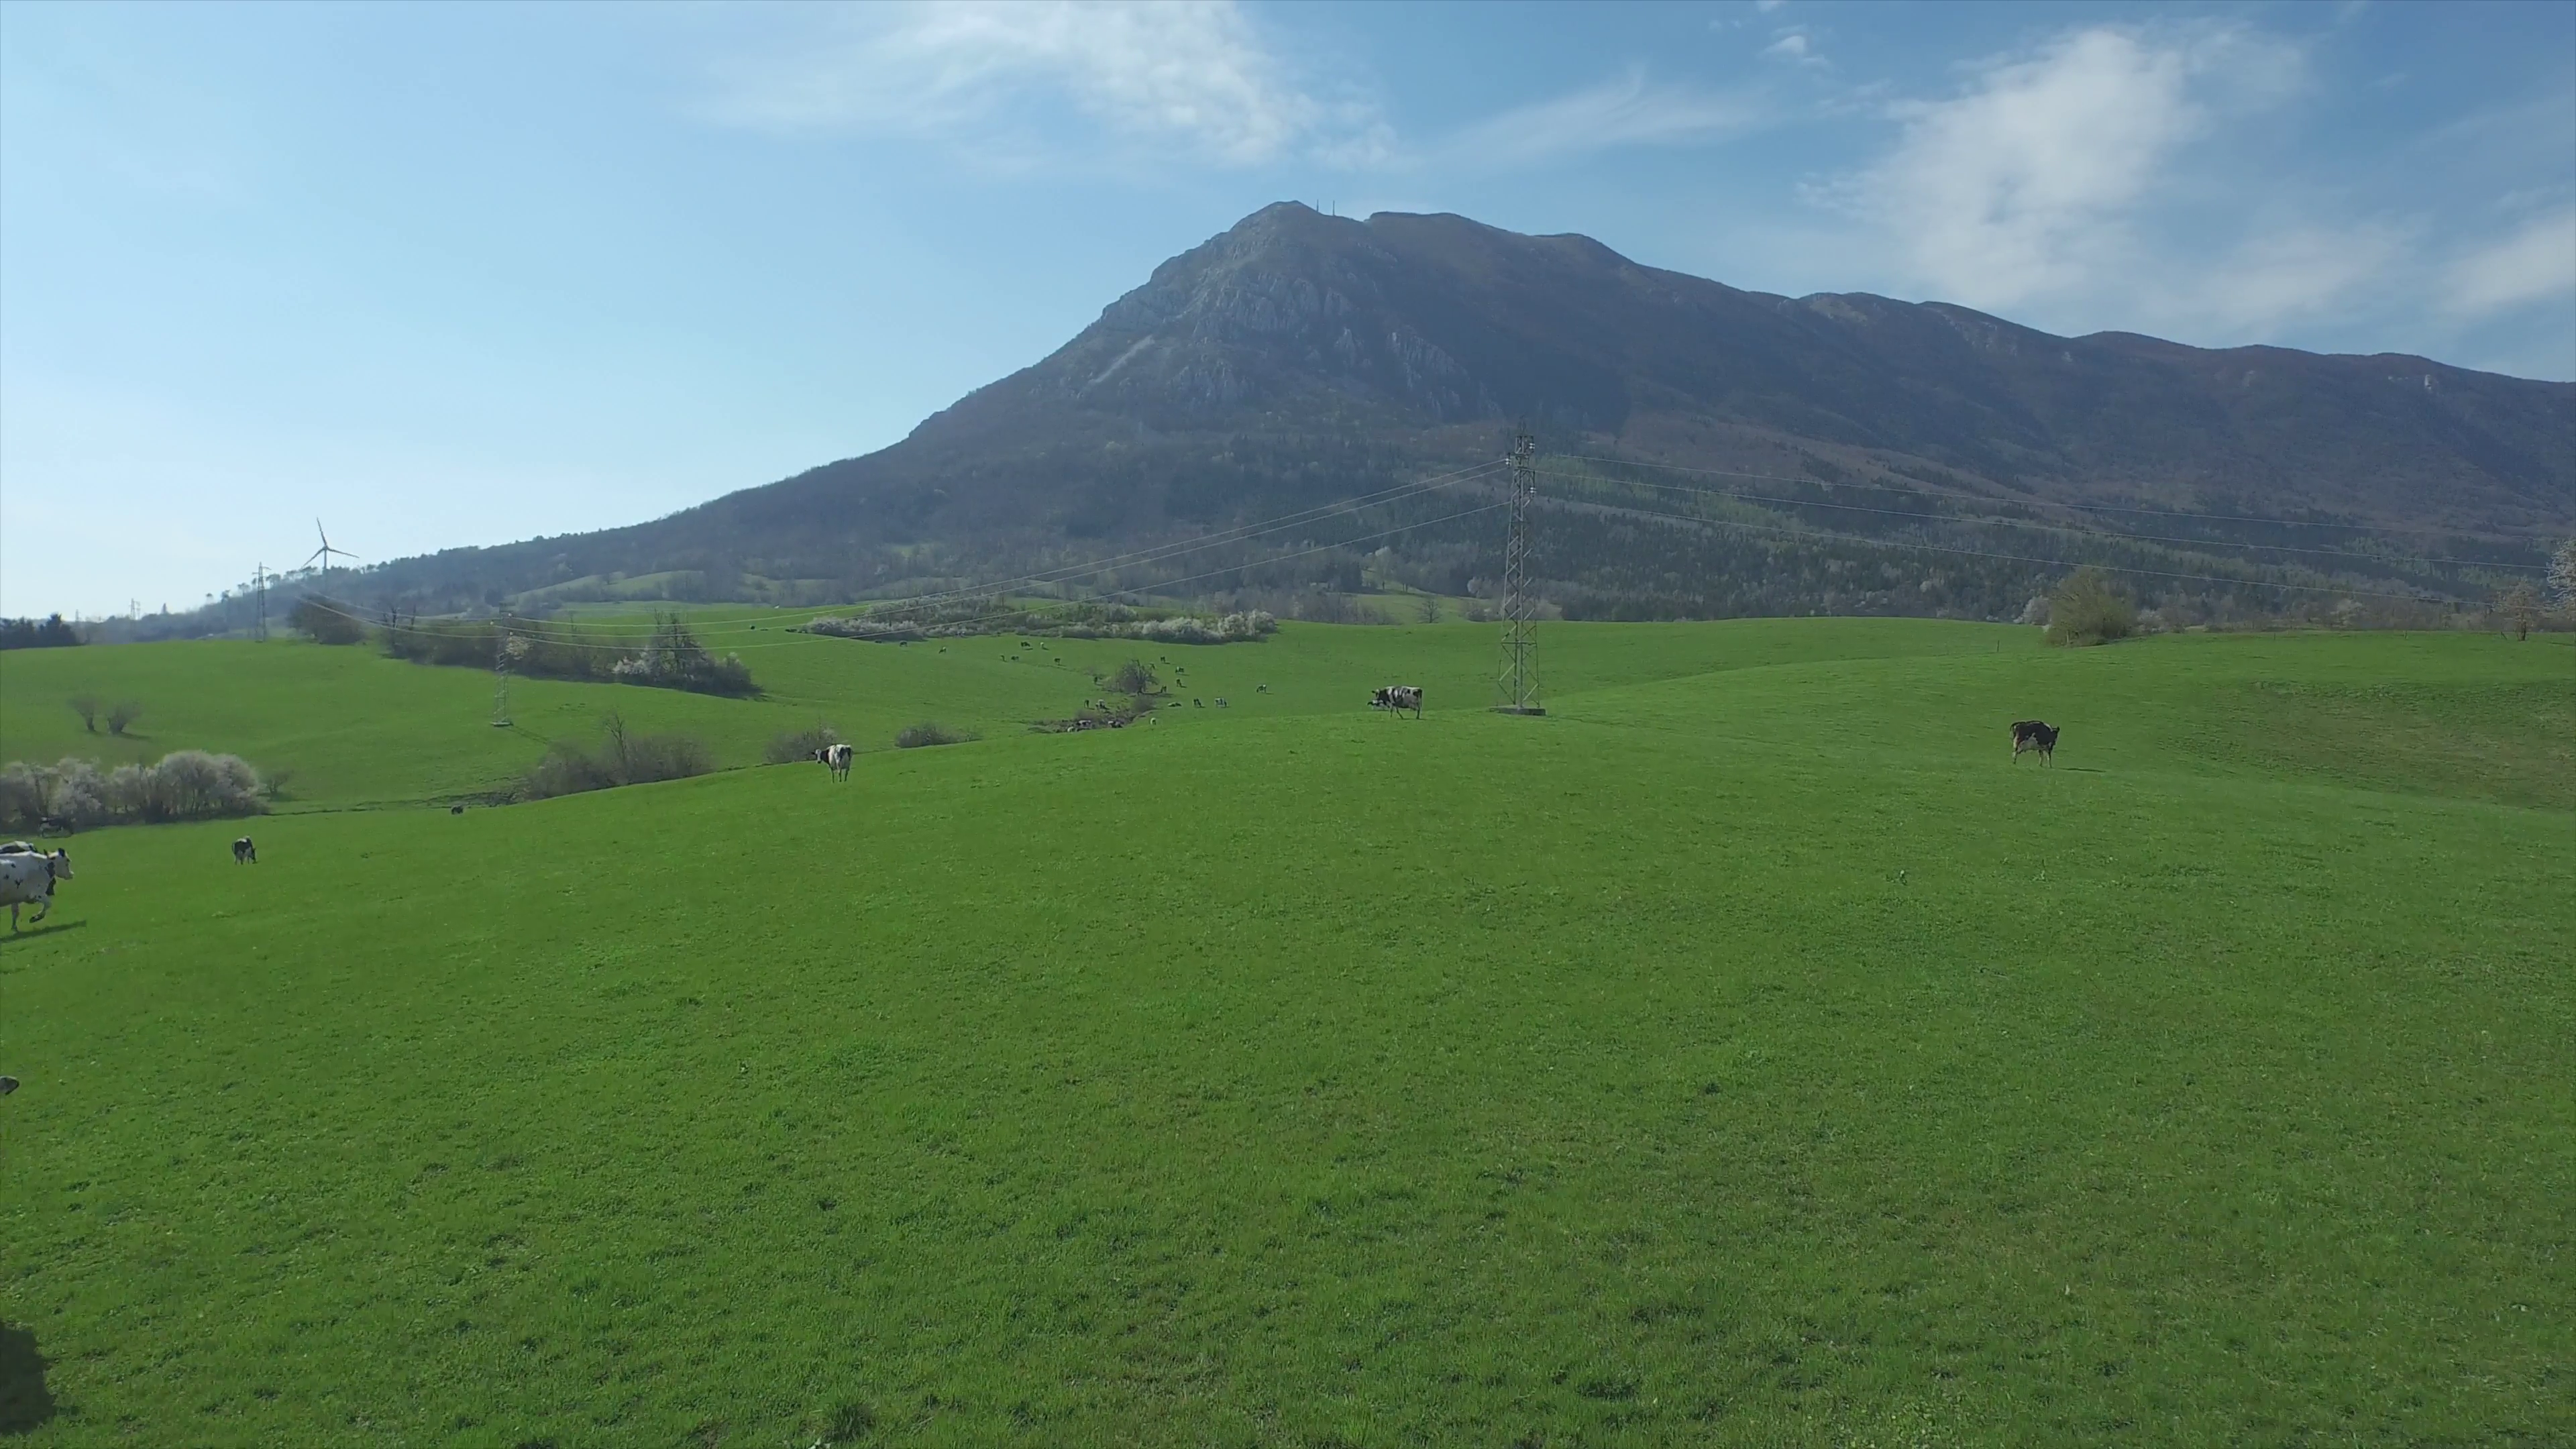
(1745, 1053)
(358, 728)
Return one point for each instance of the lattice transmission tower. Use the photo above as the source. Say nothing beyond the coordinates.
(1518, 692)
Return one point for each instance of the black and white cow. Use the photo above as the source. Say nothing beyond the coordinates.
(1397, 698)
(835, 758)
(27, 876)
(2031, 734)
(245, 853)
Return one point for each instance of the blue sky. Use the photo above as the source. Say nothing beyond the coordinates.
(469, 273)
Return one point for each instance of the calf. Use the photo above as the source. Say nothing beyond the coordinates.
(2031, 734)
(1397, 698)
(835, 758)
(245, 853)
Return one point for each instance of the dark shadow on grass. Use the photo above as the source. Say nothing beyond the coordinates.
(25, 1402)
(29, 933)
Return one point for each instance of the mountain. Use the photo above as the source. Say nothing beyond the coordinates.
(1300, 358)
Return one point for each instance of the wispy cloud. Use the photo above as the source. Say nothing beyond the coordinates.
(2043, 179)
(1192, 76)
(1795, 44)
(2535, 263)
(1629, 111)
(2277, 276)
(2025, 184)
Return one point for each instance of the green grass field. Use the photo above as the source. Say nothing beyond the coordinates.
(1745, 1053)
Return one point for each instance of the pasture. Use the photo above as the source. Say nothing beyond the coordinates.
(1745, 1053)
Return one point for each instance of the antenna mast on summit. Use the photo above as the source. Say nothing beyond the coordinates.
(1518, 693)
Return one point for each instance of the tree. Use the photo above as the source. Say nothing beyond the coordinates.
(86, 706)
(125, 713)
(2562, 574)
(2089, 609)
(52, 633)
(2521, 605)
(325, 622)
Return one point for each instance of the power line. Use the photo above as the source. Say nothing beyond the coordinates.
(1157, 553)
(514, 628)
(2047, 503)
(2035, 523)
(1237, 534)
(1805, 533)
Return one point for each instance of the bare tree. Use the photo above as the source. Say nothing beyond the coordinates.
(125, 713)
(86, 706)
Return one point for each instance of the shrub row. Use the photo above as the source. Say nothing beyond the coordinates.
(184, 785)
(788, 746)
(622, 759)
(930, 732)
(671, 659)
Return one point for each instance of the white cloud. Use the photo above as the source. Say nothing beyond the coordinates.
(2535, 263)
(2026, 185)
(1194, 75)
(1794, 45)
(1630, 111)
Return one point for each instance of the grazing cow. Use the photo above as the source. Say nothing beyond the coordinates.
(456, 809)
(56, 825)
(27, 876)
(245, 853)
(1261, 689)
(835, 758)
(1397, 698)
(8, 1085)
(1220, 701)
(2031, 734)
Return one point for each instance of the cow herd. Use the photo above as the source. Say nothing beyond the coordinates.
(28, 875)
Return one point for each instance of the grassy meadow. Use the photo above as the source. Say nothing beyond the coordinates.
(1745, 1053)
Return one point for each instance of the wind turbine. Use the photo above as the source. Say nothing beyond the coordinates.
(325, 551)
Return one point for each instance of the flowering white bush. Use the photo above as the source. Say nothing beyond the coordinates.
(185, 785)
(1179, 629)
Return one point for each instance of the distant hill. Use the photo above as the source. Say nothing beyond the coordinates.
(1298, 359)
